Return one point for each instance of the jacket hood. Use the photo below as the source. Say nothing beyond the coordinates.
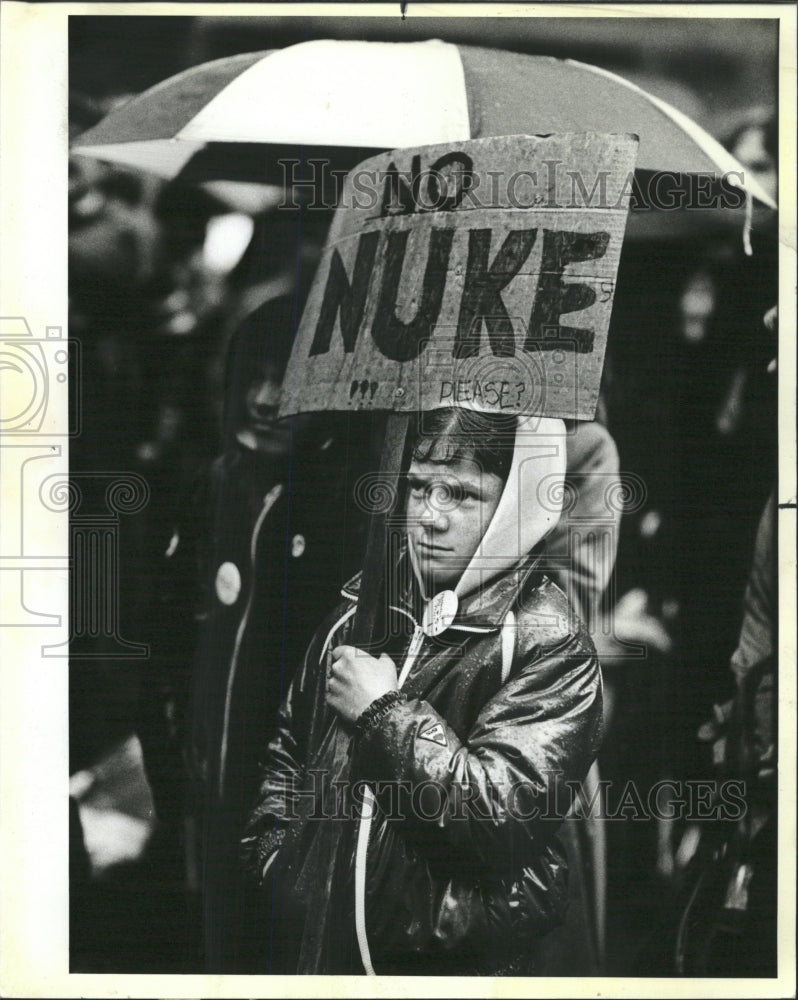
(530, 504)
(528, 509)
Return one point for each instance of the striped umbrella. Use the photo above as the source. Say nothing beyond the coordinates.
(384, 95)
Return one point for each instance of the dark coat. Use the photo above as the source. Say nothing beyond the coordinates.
(448, 889)
(273, 567)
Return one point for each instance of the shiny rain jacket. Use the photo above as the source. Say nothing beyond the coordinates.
(424, 842)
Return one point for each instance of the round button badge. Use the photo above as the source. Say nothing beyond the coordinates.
(228, 583)
(440, 612)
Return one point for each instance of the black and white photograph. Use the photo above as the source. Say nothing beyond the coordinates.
(398, 474)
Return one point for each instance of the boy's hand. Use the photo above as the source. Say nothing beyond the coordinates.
(356, 680)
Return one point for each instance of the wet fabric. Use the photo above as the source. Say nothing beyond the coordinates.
(473, 893)
(463, 870)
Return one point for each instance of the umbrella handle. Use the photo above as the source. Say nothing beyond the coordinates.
(370, 609)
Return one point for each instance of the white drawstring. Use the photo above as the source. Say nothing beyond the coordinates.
(508, 644)
(749, 218)
(269, 501)
(369, 805)
(412, 653)
(360, 879)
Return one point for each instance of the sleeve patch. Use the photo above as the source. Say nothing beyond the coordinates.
(434, 734)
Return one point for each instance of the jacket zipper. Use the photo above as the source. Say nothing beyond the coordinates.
(364, 829)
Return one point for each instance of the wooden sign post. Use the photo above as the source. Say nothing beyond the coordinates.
(477, 274)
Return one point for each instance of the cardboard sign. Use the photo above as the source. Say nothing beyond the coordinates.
(480, 273)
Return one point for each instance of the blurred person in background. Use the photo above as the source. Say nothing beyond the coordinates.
(145, 307)
(721, 917)
(739, 899)
(579, 555)
(270, 562)
(752, 136)
(694, 383)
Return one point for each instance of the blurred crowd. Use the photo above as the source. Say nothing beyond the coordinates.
(184, 298)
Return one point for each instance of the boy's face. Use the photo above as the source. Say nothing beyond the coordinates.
(449, 506)
(260, 430)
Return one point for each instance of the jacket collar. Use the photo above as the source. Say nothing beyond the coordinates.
(483, 609)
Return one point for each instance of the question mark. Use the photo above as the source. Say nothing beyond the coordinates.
(520, 386)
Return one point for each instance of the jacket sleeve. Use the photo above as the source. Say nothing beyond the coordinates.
(277, 800)
(496, 798)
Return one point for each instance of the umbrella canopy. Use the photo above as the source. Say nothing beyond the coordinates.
(385, 95)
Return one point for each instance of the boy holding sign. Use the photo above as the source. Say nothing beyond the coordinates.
(407, 817)
(410, 801)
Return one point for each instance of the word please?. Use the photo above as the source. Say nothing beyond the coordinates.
(501, 393)
(486, 270)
